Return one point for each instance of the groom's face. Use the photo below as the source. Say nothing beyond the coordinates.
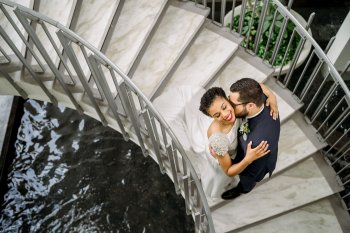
(239, 107)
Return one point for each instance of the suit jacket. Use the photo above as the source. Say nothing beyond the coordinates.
(262, 127)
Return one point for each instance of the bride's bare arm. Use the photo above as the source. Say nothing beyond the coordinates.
(271, 101)
(251, 155)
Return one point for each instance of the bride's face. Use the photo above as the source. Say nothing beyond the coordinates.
(222, 110)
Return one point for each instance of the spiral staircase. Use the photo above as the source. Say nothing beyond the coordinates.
(110, 59)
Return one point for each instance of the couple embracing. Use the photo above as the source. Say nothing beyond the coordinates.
(243, 137)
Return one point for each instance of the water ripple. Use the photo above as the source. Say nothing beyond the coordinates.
(71, 174)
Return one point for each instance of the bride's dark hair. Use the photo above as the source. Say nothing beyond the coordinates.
(209, 97)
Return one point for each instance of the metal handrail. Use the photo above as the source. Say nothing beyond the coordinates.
(319, 51)
(284, 11)
(205, 211)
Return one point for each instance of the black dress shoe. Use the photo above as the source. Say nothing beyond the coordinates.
(230, 194)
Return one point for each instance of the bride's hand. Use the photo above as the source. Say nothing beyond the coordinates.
(256, 153)
(272, 102)
(212, 152)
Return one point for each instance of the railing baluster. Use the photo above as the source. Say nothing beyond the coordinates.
(279, 41)
(21, 35)
(260, 26)
(341, 156)
(86, 56)
(304, 71)
(270, 34)
(298, 50)
(344, 146)
(311, 79)
(294, 61)
(170, 151)
(102, 84)
(155, 143)
(241, 16)
(48, 60)
(27, 65)
(316, 95)
(286, 54)
(345, 167)
(339, 140)
(69, 51)
(323, 102)
(232, 15)
(154, 127)
(222, 12)
(250, 27)
(132, 113)
(330, 114)
(117, 87)
(187, 193)
(59, 53)
(337, 123)
(8, 59)
(213, 11)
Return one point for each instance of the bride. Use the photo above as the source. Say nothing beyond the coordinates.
(179, 107)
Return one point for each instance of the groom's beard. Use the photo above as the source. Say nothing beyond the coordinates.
(242, 114)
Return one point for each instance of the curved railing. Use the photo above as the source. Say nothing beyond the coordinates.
(316, 83)
(80, 71)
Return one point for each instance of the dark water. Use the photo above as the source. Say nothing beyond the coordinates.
(71, 174)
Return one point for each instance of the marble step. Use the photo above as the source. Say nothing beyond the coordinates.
(91, 21)
(208, 53)
(5, 24)
(317, 217)
(297, 143)
(288, 191)
(136, 20)
(60, 11)
(242, 65)
(176, 30)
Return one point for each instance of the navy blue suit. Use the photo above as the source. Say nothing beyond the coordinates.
(262, 128)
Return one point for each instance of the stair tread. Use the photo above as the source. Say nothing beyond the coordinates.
(241, 67)
(318, 217)
(175, 32)
(293, 146)
(134, 24)
(92, 24)
(205, 57)
(59, 10)
(290, 190)
(93, 21)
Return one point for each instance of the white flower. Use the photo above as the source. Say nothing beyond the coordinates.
(244, 129)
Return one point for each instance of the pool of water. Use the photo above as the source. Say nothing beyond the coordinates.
(71, 174)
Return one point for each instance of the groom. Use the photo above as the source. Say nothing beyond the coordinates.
(247, 99)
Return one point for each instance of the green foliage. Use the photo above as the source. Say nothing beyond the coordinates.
(267, 26)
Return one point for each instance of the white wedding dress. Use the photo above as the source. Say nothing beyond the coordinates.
(180, 108)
